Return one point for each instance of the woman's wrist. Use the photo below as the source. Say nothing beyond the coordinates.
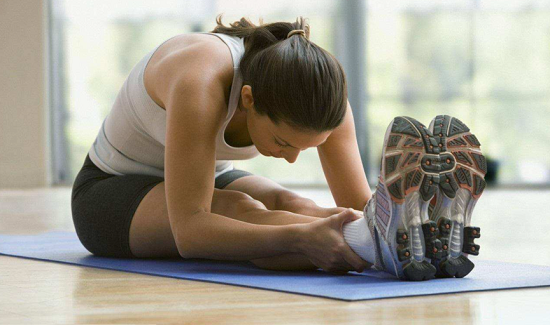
(298, 237)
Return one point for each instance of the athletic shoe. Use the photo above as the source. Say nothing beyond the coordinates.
(461, 183)
(398, 211)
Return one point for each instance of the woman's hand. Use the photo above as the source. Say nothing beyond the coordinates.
(323, 242)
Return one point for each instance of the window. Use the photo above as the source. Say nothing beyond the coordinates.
(103, 40)
(485, 62)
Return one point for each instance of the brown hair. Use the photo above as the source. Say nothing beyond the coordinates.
(292, 79)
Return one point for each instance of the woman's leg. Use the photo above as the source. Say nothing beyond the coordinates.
(264, 190)
(126, 216)
(102, 208)
(151, 235)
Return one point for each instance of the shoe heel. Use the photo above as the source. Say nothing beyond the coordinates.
(460, 186)
(454, 237)
(407, 183)
(419, 271)
(413, 269)
(455, 267)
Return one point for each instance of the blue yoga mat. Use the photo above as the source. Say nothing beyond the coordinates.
(64, 247)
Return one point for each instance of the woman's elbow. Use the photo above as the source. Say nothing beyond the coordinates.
(187, 247)
(187, 242)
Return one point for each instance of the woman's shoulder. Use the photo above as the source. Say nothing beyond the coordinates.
(188, 57)
(207, 47)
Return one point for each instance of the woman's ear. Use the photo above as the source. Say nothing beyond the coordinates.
(246, 97)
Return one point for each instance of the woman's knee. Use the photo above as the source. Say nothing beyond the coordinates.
(247, 203)
(226, 202)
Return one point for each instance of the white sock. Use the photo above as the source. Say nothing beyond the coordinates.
(359, 238)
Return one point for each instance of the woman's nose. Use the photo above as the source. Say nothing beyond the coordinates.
(291, 156)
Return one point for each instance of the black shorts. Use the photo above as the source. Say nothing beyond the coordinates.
(103, 206)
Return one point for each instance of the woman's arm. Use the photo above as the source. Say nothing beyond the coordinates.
(196, 109)
(213, 236)
(342, 166)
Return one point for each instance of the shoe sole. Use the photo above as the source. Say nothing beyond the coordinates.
(461, 185)
(408, 181)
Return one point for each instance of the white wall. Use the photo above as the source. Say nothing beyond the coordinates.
(24, 114)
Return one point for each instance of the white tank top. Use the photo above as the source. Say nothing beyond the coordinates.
(132, 138)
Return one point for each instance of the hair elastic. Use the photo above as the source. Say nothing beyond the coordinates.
(296, 31)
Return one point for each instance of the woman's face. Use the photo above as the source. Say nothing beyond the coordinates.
(279, 141)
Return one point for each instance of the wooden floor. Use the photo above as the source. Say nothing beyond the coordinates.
(514, 227)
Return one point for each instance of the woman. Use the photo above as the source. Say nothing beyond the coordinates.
(158, 180)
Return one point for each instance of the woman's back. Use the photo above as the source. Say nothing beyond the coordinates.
(132, 137)
(299, 95)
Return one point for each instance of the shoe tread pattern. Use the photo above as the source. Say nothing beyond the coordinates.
(405, 166)
(405, 146)
(471, 167)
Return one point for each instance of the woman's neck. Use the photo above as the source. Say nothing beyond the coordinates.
(236, 133)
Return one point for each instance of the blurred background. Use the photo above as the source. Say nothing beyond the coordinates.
(486, 62)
